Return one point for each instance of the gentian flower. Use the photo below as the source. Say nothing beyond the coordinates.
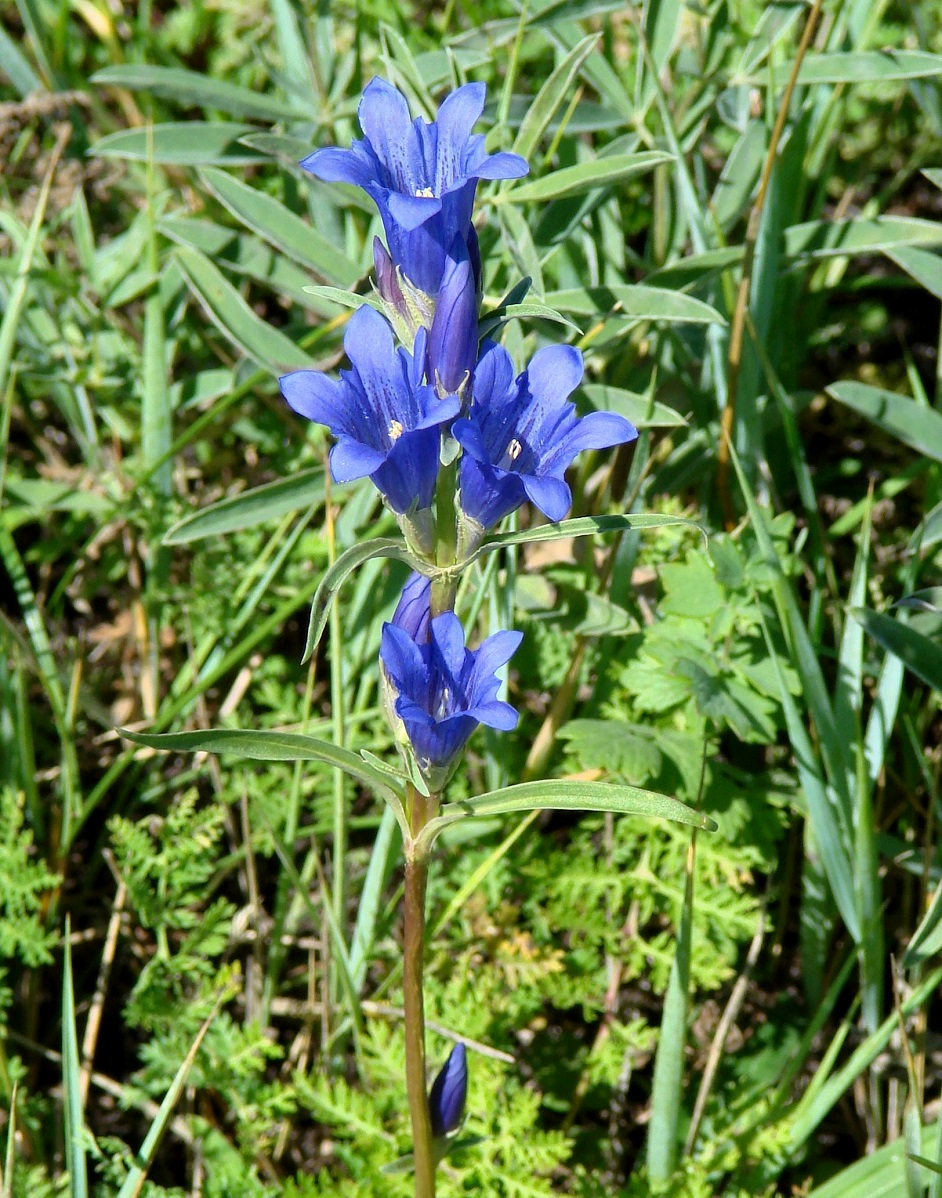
(443, 690)
(386, 420)
(421, 176)
(521, 435)
(448, 1094)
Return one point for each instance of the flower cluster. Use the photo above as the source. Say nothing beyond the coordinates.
(452, 437)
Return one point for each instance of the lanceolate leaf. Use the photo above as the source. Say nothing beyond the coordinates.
(567, 796)
(918, 426)
(180, 143)
(194, 87)
(234, 318)
(920, 654)
(573, 180)
(630, 302)
(275, 746)
(282, 228)
(255, 506)
(340, 570)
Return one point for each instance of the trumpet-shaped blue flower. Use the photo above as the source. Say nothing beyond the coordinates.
(421, 176)
(521, 435)
(385, 418)
(443, 690)
(448, 1093)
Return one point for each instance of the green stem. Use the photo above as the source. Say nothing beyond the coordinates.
(413, 1002)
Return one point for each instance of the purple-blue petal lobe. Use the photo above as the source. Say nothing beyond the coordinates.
(503, 166)
(554, 372)
(313, 395)
(551, 495)
(349, 460)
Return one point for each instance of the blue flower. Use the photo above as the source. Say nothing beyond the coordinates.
(386, 420)
(443, 690)
(421, 176)
(448, 1094)
(521, 435)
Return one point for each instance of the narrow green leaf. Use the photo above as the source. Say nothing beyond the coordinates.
(832, 238)
(282, 228)
(181, 143)
(256, 506)
(920, 654)
(368, 906)
(927, 938)
(71, 1082)
(634, 302)
(583, 526)
(556, 795)
(137, 1175)
(274, 746)
(924, 266)
(550, 96)
(639, 409)
(194, 88)
(234, 318)
(342, 568)
(929, 531)
(858, 66)
(668, 1084)
(346, 299)
(917, 426)
(809, 1115)
(530, 309)
(14, 64)
(587, 176)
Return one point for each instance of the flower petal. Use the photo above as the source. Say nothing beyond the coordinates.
(503, 166)
(402, 658)
(351, 459)
(551, 495)
(384, 117)
(410, 211)
(448, 638)
(598, 430)
(336, 165)
(457, 116)
(315, 396)
(554, 373)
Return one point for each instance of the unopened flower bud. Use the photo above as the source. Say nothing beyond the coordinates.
(449, 1090)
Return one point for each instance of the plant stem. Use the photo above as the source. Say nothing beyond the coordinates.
(414, 1005)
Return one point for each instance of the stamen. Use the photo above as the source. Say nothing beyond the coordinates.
(514, 450)
(395, 430)
(425, 192)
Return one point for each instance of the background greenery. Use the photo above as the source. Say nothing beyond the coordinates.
(200, 956)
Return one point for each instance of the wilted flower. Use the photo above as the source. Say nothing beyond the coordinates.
(521, 435)
(448, 1094)
(421, 176)
(443, 690)
(385, 418)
